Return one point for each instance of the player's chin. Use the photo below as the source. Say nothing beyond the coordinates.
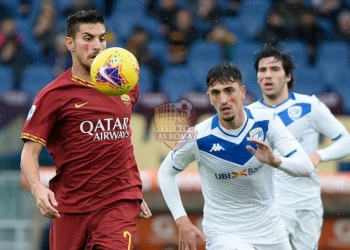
(228, 117)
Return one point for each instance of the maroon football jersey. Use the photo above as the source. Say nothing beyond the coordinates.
(88, 136)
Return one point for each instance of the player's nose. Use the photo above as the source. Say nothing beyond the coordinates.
(268, 73)
(223, 98)
(97, 46)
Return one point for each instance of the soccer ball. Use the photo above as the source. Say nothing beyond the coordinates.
(115, 71)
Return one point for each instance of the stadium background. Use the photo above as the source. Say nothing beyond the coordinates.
(163, 81)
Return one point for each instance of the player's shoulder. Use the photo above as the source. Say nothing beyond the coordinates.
(205, 124)
(257, 104)
(60, 83)
(298, 97)
(258, 113)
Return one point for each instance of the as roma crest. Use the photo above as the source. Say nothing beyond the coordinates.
(173, 123)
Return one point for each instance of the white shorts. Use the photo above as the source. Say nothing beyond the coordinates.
(303, 227)
(236, 244)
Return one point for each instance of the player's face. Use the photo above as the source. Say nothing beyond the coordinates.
(272, 78)
(89, 41)
(227, 98)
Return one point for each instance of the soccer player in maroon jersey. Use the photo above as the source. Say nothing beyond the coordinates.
(95, 197)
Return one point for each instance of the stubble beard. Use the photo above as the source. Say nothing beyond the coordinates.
(87, 67)
(229, 118)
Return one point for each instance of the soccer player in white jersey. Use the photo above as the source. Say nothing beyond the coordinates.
(299, 199)
(230, 149)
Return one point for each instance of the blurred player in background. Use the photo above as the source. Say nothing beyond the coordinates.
(299, 199)
(231, 148)
(95, 197)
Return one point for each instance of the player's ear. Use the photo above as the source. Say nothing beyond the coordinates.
(209, 98)
(69, 43)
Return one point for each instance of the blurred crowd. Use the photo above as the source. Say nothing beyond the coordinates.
(161, 33)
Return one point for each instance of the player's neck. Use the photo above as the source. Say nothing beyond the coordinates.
(274, 101)
(236, 123)
(80, 72)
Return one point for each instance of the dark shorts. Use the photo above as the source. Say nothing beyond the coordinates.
(109, 228)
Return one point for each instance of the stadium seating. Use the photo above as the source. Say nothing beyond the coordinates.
(35, 78)
(331, 67)
(146, 79)
(244, 52)
(175, 80)
(253, 15)
(308, 81)
(6, 76)
(158, 47)
(235, 25)
(123, 24)
(327, 27)
(126, 6)
(298, 51)
(151, 25)
(202, 56)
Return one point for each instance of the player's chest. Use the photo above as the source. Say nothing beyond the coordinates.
(223, 170)
(296, 113)
(96, 107)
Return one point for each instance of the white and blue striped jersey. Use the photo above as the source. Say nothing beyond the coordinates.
(237, 188)
(306, 118)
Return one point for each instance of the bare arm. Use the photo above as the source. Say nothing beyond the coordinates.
(45, 198)
(188, 233)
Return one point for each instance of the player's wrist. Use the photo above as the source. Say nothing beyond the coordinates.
(276, 162)
(183, 220)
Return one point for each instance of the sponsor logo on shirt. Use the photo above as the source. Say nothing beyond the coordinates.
(216, 147)
(243, 173)
(79, 105)
(106, 129)
(31, 112)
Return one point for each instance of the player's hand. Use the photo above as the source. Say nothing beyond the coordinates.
(263, 152)
(188, 234)
(315, 158)
(144, 213)
(46, 202)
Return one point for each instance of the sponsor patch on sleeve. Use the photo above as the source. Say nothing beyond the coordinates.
(31, 112)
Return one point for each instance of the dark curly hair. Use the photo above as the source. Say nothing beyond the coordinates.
(286, 59)
(82, 16)
(224, 72)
